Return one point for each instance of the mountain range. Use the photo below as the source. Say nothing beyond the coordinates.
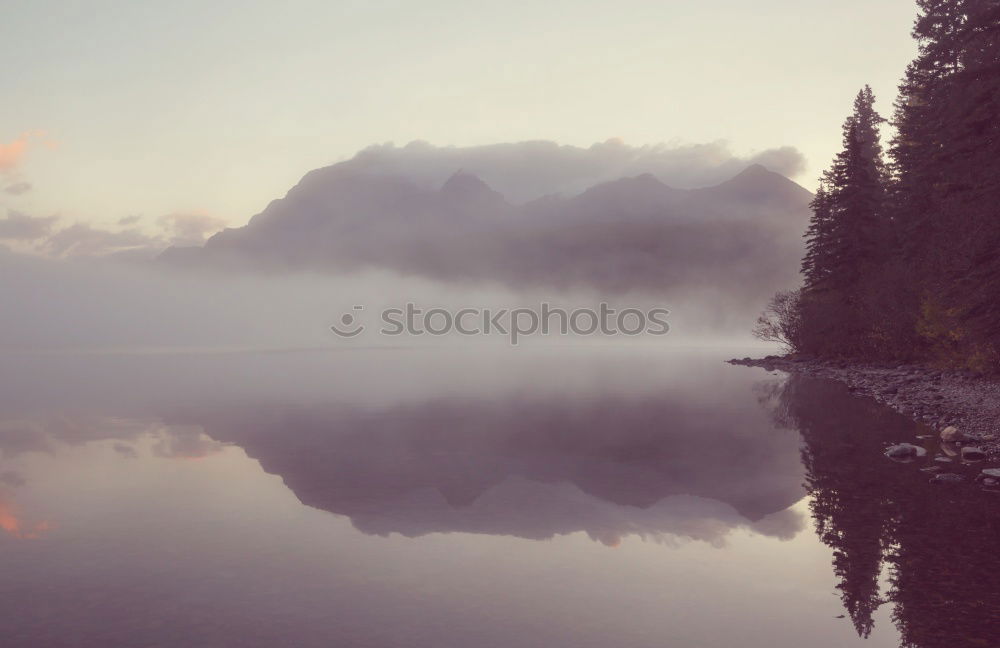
(632, 234)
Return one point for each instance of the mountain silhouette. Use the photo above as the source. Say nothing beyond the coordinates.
(757, 186)
(634, 233)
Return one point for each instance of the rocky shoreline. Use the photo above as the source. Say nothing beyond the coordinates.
(962, 400)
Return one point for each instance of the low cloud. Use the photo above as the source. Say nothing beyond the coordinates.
(190, 228)
(189, 442)
(41, 235)
(12, 479)
(784, 525)
(18, 188)
(19, 226)
(83, 240)
(125, 450)
(786, 160)
(524, 171)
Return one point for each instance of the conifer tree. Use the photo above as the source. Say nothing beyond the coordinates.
(946, 165)
(904, 259)
(845, 237)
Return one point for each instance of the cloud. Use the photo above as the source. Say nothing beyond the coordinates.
(86, 240)
(22, 227)
(192, 228)
(11, 156)
(13, 152)
(12, 479)
(14, 524)
(18, 188)
(784, 525)
(41, 435)
(524, 171)
(787, 161)
(182, 442)
(125, 450)
(83, 240)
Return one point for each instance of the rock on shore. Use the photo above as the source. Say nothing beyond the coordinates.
(968, 402)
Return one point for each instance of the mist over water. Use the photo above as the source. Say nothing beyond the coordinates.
(417, 225)
(115, 306)
(344, 495)
(189, 429)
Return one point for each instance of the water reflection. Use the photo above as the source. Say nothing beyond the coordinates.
(938, 543)
(653, 467)
(528, 467)
(182, 484)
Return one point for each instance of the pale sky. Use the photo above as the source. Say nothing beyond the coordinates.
(156, 107)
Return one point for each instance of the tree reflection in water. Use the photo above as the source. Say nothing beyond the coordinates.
(939, 544)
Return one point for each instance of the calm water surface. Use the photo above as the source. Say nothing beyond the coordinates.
(529, 497)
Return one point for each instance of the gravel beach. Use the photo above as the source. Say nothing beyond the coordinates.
(937, 398)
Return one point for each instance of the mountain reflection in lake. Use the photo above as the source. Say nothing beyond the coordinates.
(557, 498)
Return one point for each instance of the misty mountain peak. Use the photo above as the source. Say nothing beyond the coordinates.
(463, 184)
(630, 187)
(754, 175)
(644, 180)
(759, 184)
(754, 170)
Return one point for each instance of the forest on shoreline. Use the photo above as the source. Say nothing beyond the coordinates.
(903, 247)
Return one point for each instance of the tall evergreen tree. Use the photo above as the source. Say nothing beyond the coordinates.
(818, 261)
(845, 237)
(904, 259)
(946, 165)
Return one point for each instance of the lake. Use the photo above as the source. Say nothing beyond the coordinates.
(539, 496)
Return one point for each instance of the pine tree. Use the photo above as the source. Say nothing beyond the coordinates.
(817, 262)
(845, 237)
(868, 123)
(904, 259)
(946, 167)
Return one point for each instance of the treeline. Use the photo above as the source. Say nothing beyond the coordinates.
(903, 249)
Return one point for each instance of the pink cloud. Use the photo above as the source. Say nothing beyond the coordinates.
(12, 152)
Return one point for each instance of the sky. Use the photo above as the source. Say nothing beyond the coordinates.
(124, 112)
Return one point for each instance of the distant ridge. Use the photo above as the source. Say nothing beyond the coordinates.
(631, 233)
